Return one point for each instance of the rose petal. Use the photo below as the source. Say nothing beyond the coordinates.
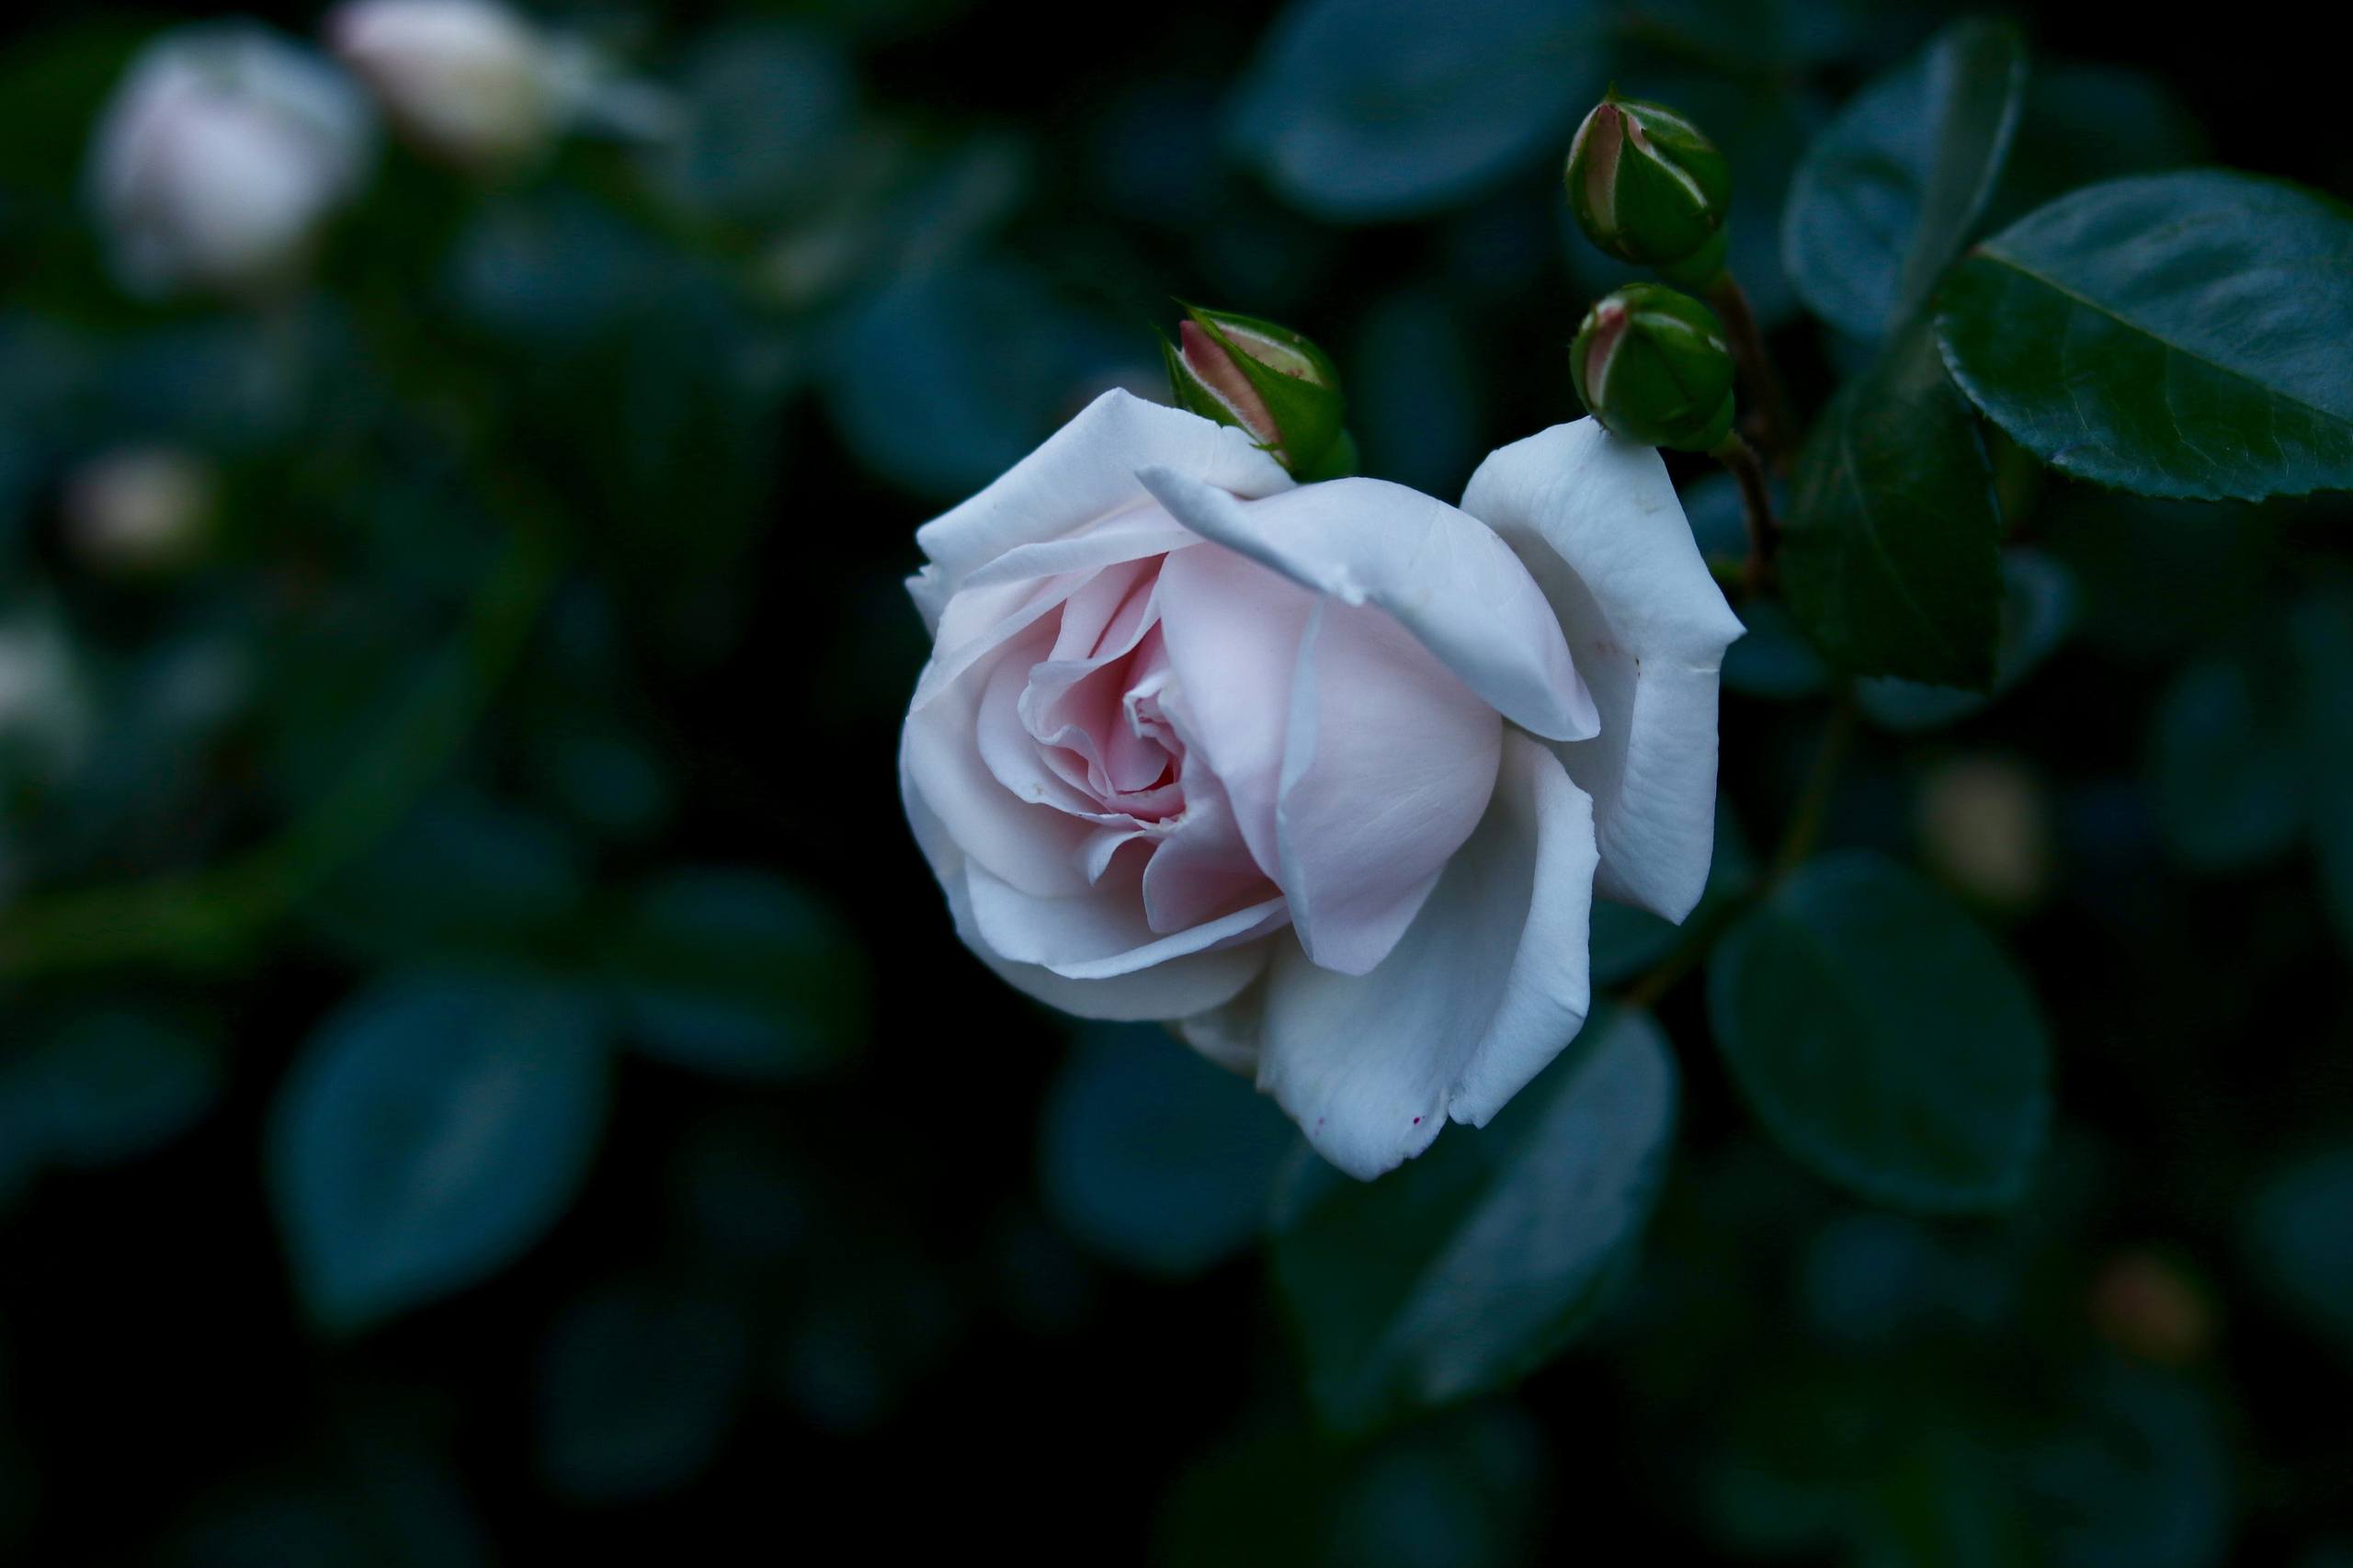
(1083, 473)
(1439, 572)
(1484, 989)
(1597, 524)
(1233, 629)
(1387, 770)
(1188, 984)
(1101, 933)
(1023, 827)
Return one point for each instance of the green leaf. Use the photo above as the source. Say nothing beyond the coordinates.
(2038, 609)
(1476, 1262)
(2170, 335)
(1889, 552)
(735, 972)
(637, 1384)
(1890, 192)
(431, 1129)
(1365, 109)
(1155, 1156)
(1882, 1039)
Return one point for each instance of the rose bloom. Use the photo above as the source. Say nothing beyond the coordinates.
(220, 156)
(1326, 775)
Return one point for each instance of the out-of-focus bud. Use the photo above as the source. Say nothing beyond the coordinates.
(140, 509)
(1653, 366)
(218, 158)
(2149, 1306)
(1648, 187)
(1985, 828)
(1268, 381)
(470, 82)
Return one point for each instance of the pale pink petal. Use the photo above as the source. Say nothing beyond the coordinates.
(1233, 629)
(1444, 575)
(1021, 833)
(1387, 770)
(1101, 933)
(1481, 991)
(1082, 473)
(1191, 984)
(1596, 521)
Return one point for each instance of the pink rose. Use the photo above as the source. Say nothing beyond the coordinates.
(1326, 775)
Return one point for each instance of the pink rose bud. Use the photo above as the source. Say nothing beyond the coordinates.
(1268, 381)
(219, 156)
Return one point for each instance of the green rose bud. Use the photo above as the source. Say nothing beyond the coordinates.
(1649, 187)
(1268, 381)
(1652, 365)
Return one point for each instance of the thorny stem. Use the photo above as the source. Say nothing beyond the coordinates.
(1776, 419)
(1756, 510)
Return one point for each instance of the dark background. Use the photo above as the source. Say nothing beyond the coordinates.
(904, 1341)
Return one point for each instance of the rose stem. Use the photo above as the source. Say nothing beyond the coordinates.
(1777, 421)
(1756, 510)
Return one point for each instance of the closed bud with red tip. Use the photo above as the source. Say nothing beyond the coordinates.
(1648, 187)
(1268, 381)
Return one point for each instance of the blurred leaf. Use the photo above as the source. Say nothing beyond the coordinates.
(1152, 1156)
(2299, 1235)
(2225, 759)
(638, 1382)
(1367, 109)
(1774, 660)
(2169, 334)
(767, 110)
(112, 1081)
(1888, 552)
(2086, 123)
(432, 1129)
(2139, 1479)
(461, 875)
(1415, 393)
(1625, 940)
(1889, 193)
(941, 383)
(1474, 1264)
(2158, 577)
(870, 1327)
(735, 972)
(2037, 609)
(1882, 1039)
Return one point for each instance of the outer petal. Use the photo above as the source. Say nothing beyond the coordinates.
(1487, 987)
(1442, 576)
(1387, 768)
(1084, 473)
(1597, 524)
(1178, 987)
